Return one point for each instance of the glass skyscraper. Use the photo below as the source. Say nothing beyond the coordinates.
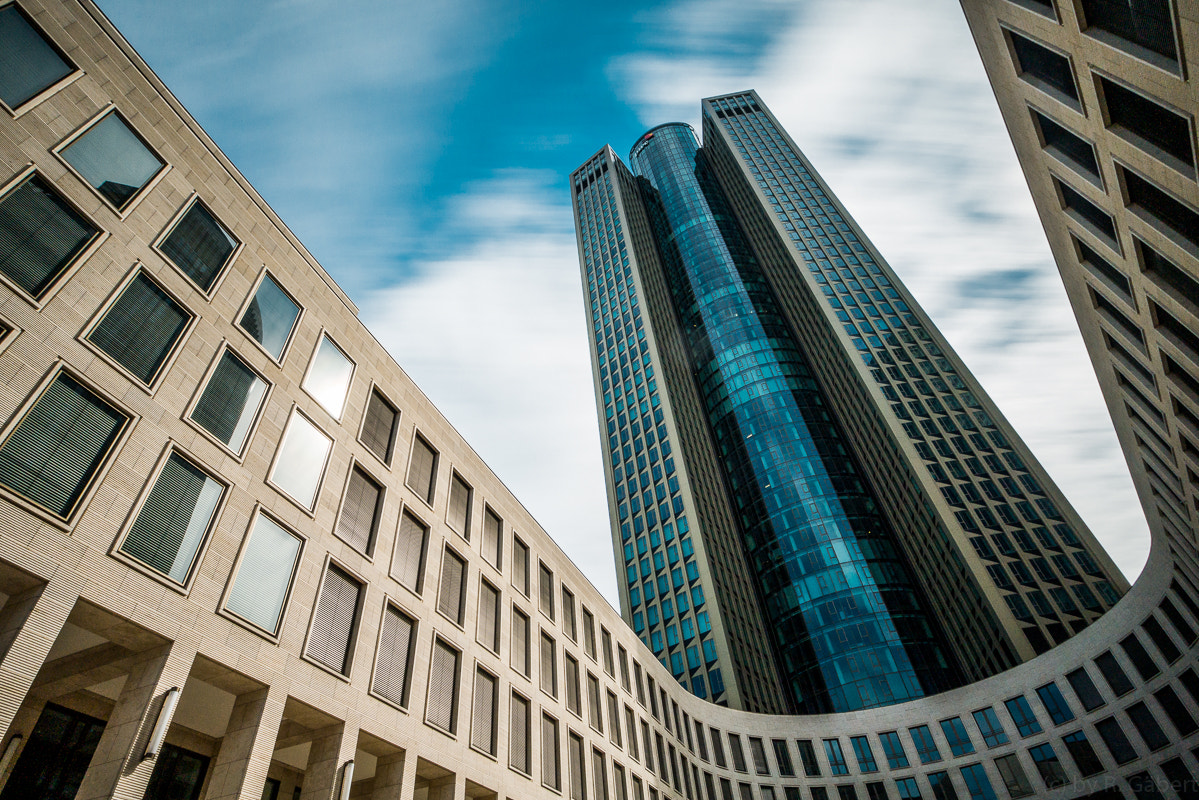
(815, 507)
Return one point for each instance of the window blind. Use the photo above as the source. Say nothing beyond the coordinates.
(264, 574)
(360, 512)
(549, 678)
(551, 753)
(493, 537)
(613, 719)
(379, 427)
(459, 512)
(546, 591)
(443, 687)
(141, 328)
(520, 642)
(599, 776)
(568, 614)
(520, 566)
(57, 449)
(40, 235)
(230, 401)
(333, 620)
(589, 633)
(423, 469)
(482, 725)
(29, 64)
(489, 622)
(630, 727)
(518, 735)
(392, 662)
(594, 715)
(408, 561)
(200, 246)
(578, 775)
(574, 694)
(450, 597)
(174, 518)
(606, 645)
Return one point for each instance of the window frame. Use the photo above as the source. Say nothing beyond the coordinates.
(455, 707)
(276, 635)
(498, 631)
(1143, 145)
(245, 306)
(75, 74)
(321, 337)
(380, 505)
(139, 268)
(58, 151)
(464, 534)
(391, 602)
(1093, 234)
(87, 251)
(419, 589)
(1024, 76)
(1176, 69)
(355, 627)
(449, 551)
(479, 666)
(310, 511)
(172, 448)
(237, 456)
(374, 389)
(1035, 114)
(416, 434)
(165, 234)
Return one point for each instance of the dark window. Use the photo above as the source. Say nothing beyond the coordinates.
(893, 747)
(1047, 69)
(59, 446)
(174, 519)
(1026, 721)
(1084, 687)
(865, 756)
(1083, 753)
(781, 754)
(1145, 197)
(926, 747)
(990, 727)
(333, 621)
(1166, 274)
(1014, 777)
(40, 235)
(942, 786)
(1113, 673)
(1165, 645)
(1147, 121)
(379, 427)
(1177, 773)
(395, 656)
(113, 160)
(1056, 705)
(1140, 658)
(1176, 710)
(422, 469)
(178, 775)
(56, 757)
(141, 328)
(270, 317)
(1147, 725)
(452, 594)
(200, 246)
(230, 401)
(1048, 765)
(955, 734)
(520, 755)
(1142, 23)
(1067, 146)
(1088, 212)
(1116, 740)
(807, 755)
(832, 750)
(29, 62)
(360, 511)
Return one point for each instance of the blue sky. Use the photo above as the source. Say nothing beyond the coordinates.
(421, 152)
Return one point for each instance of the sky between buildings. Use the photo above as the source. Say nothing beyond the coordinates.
(422, 151)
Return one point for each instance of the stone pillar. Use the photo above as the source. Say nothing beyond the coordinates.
(408, 781)
(118, 769)
(452, 787)
(330, 750)
(389, 777)
(29, 625)
(240, 767)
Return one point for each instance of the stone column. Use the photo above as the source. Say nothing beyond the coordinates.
(389, 777)
(29, 625)
(240, 767)
(330, 750)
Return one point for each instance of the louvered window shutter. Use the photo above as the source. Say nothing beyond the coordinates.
(172, 522)
(520, 642)
(391, 666)
(333, 621)
(599, 776)
(449, 599)
(518, 734)
(409, 560)
(578, 776)
(378, 429)
(200, 246)
(546, 591)
(613, 719)
(551, 754)
(520, 566)
(482, 725)
(230, 401)
(593, 703)
(40, 235)
(360, 511)
(493, 538)
(573, 692)
(421, 472)
(60, 445)
(549, 681)
(459, 518)
(264, 575)
(443, 687)
(489, 606)
(141, 328)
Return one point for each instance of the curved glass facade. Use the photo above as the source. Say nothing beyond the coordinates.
(850, 629)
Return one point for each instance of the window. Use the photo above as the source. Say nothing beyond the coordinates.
(1147, 725)
(606, 649)
(990, 727)
(1089, 214)
(568, 614)
(394, 660)
(520, 758)
(1150, 126)
(334, 619)
(200, 247)
(174, 519)
(113, 160)
(739, 754)
(1142, 27)
(1084, 687)
(757, 750)
(451, 597)
(613, 719)
(483, 712)
(1048, 70)
(574, 695)
(865, 756)
(40, 234)
(630, 727)
(56, 451)
(141, 328)
(1048, 765)
(1145, 665)
(301, 461)
(458, 514)
(1066, 146)
(408, 560)
(1056, 705)
(422, 469)
(1013, 775)
(1162, 210)
(578, 775)
(589, 634)
(1113, 673)
(807, 755)
(893, 747)
(268, 562)
(955, 734)
(360, 511)
(488, 632)
(441, 708)
(978, 785)
(520, 566)
(926, 748)
(328, 377)
(493, 537)
(270, 317)
(599, 776)
(545, 588)
(551, 753)
(549, 667)
(520, 642)
(379, 426)
(594, 713)
(1026, 721)
(230, 402)
(908, 790)
(1084, 756)
(1116, 740)
(782, 754)
(836, 758)
(29, 63)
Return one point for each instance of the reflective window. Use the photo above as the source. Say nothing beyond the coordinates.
(270, 317)
(1048, 765)
(29, 63)
(978, 785)
(113, 159)
(301, 460)
(141, 328)
(40, 235)
(893, 747)
(200, 246)
(926, 747)
(328, 378)
(955, 734)
(230, 401)
(264, 575)
(836, 758)
(990, 727)
(1045, 68)
(1026, 721)
(1055, 704)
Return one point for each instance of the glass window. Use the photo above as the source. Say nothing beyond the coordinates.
(172, 522)
(395, 656)
(955, 734)
(1026, 721)
(379, 427)
(40, 235)
(270, 317)
(199, 245)
(1084, 687)
(908, 790)
(54, 453)
(141, 328)
(441, 708)
(360, 511)
(942, 786)
(1048, 765)
(301, 460)
(484, 708)
(1083, 753)
(893, 747)
(1055, 704)
(977, 782)
(926, 747)
(458, 513)
(29, 63)
(451, 596)
(113, 160)
(264, 575)
(836, 758)
(1143, 24)
(230, 401)
(865, 756)
(328, 378)
(1045, 68)
(990, 727)
(422, 469)
(1014, 777)
(1116, 740)
(333, 621)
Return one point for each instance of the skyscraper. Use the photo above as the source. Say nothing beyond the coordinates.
(815, 506)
